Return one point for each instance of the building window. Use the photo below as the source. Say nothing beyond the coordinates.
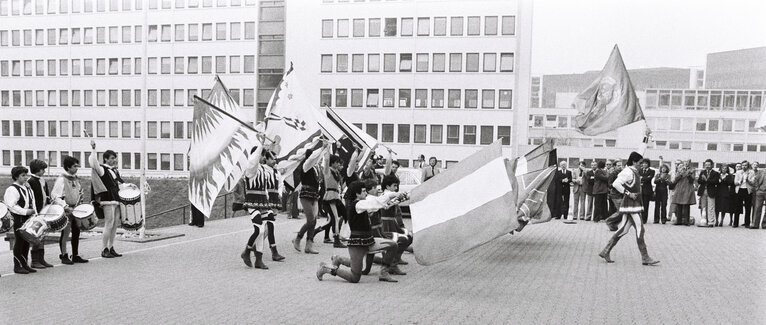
(454, 98)
(487, 98)
(403, 133)
(405, 62)
(389, 62)
(388, 98)
(356, 98)
(342, 27)
(341, 98)
(504, 133)
(421, 98)
(474, 25)
(357, 63)
(358, 27)
(422, 62)
(387, 133)
(325, 97)
(372, 97)
(178, 162)
(373, 62)
(437, 98)
(469, 134)
(509, 25)
(436, 133)
(424, 24)
(472, 62)
(404, 97)
(490, 25)
(487, 134)
(220, 31)
(326, 63)
(374, 27)
(220, 64)
(456, 62)
(390, 29)
(327, 28)
(438, 62)
(420, 133)
(471, 98)
(372, 130)
(407, 26)
(505, 98)
(506, 62)
(207, 32)
(342, 63)
(165, 130)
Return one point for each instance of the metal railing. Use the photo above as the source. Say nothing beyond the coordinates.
(184, 216)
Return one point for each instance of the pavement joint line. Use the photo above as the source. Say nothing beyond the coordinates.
(153, 247)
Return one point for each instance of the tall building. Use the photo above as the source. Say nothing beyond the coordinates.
(737, 69)
(437, 78)
(76, 68)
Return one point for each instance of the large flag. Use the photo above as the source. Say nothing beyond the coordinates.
(537, 159)
(609, 102)
(352, 137)
(217, 153)
(533, 197)
(464, 206)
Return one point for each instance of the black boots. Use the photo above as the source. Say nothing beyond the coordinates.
(259, 261)
(337, 243)
(645, 259)
(246, 256)
(65, 259)
(111, 250)
(38, 259)
(275, 255)
(609, 245)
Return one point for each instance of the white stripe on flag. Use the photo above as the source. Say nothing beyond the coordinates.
(462, 196)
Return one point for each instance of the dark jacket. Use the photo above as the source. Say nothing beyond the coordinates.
(708, 181)
(601, 185)
(558, 180)
(588, 181)
(37, 189)
(646, 181)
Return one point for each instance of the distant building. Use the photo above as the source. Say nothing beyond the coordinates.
(737, 69)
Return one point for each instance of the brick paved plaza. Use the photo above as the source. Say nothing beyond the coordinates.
(547, 274)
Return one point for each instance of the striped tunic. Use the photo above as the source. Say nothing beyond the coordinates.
(628, 182)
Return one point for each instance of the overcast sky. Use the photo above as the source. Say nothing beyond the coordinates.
(577, 36)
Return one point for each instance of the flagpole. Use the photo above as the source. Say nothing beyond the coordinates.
(246, 125)
(144, 130)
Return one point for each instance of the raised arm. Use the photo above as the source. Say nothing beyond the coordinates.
(254, 162)
(326, 164)
(93, 159)
(312, 158)
(389, 162)
(353, 162)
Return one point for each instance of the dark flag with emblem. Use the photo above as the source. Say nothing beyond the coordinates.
(609, 102)
(534, 185)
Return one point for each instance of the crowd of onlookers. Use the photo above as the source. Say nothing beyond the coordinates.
(735, 190)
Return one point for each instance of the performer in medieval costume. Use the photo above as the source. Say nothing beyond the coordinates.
(67, 192)
(260, 179)
(105, 188)
(628, 183)
(331, 202)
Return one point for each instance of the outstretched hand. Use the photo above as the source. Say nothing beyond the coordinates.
(92, 144)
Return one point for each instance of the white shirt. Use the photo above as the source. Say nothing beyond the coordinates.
(11, 199)
(624, 178)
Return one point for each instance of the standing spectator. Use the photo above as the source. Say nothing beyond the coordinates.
(724, 201)
(599, 192)
(759, 184)
(743, 193)
(578, 192)
(589, 180)
(420, 163)
(561, 181)
(615, 198)
(646, 174)
(683, 196)
(707, 191)
(431, 170)
(673, 212)
(661, 182)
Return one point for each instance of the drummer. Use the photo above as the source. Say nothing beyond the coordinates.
(105, 188)
(67, 192)
(42, 198)
(21, 203)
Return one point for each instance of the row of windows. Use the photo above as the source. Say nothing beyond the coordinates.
(658, 124)
(438, 62)
(117, 97)
(127, 66)
(128, 34)
(41, 7)
(125, 160)
(664, 144)
(490, 98)
(437, 133)
(399, 133)
(728, 100)
(420, 26)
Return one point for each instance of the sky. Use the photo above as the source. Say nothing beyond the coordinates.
(574, 36)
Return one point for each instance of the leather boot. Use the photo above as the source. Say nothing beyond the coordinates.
(337, 243)
(37, 259)
(340, 260)
(645, 259)
(42, 258)
(297, 244)
(395, 270)
(324, 269)
(246, 256)
(385, 276)
(65, 259)
(259, 261)
(310, 247)
(275, 255)
(608, 249)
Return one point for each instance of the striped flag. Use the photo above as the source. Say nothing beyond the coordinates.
(217, 153)
(464, 206)
(352, 136)
(609, 102)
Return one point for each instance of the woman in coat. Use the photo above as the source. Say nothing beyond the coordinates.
(724, 200)
(661, 181)
(684, 196)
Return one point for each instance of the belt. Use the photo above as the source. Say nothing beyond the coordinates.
(332, 190)
(388, 218)
(255, 192)
(376, 226)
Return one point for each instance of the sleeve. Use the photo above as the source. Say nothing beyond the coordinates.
(57, 193)
(623, 177)
(389, 162)
(601, 176)
(11, 199)
(352, 163)
(715, 178)
(326, 164)
(253, 163)
(311, 160)
(93, 160)
(372, 203)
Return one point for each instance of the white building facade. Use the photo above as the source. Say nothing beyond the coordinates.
(71, 68)
(438, 78)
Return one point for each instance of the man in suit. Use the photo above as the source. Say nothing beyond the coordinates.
(578, 191)
(588, 181)
(647, 175)
(708, 189)
(562, 179)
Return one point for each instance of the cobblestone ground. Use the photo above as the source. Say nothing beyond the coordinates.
(549, 273)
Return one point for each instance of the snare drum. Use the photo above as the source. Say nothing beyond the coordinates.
(6, 220)
(34, 229)
(129, 194)
(130, 215)
(85, 216)
(55, 217)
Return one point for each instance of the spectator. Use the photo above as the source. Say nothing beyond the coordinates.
(615, 198)
(589, 180)
(724, 201)
(431, 170)
(561, 182)
(578, 192)
(661, 181)
(759, 185)
(707, 191)
(744, 190)
(673, 212)
(646, 174)
(600, 192)
(420, 163)
(683, 196)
